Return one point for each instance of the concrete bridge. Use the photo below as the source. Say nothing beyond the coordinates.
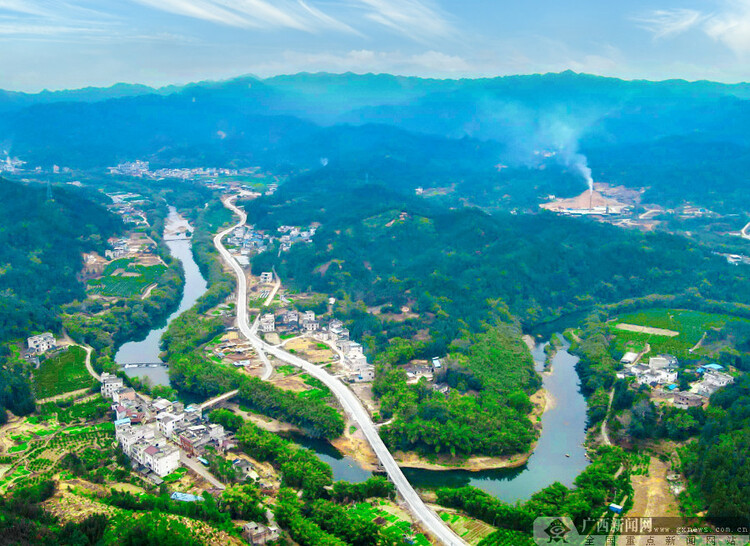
(130, 365)
(218, 400)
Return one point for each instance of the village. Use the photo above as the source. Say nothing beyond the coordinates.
(661, 375)
(245, 241)
(208, 175)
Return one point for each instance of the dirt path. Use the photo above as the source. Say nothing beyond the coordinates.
(647, 330)
(89, 367)
(276, 286)
(148, 291)
(652, 497)
(700, 342)
(62, 396)
(605, 434)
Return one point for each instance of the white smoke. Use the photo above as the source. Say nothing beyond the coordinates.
(534, 136)
(564, 137)
(580, 164)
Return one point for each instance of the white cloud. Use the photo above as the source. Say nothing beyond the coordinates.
(289, 14)
(27, 8)
(412, 18)
(14, 29)
(729, 25)
(53, 21)
(441, 62)
(665, 23)
(732, 27)
(199, 9)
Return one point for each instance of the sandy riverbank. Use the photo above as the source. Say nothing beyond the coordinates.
(355, 446)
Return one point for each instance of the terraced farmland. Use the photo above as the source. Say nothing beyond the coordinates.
(126, 279)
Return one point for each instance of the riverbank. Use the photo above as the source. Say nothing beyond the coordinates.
(356, 447)
(147, 350)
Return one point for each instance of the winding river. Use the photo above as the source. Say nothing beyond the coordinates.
(559, 454)
(146, 351)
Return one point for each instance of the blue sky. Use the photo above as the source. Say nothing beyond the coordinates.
(58, 44)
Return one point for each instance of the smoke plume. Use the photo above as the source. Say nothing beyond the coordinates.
(534, 136)
(564, 137)
(580, 164)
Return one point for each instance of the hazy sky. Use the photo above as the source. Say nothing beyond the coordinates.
(72, 43)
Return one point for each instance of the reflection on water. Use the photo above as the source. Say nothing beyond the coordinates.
(344, 468)
(147, 351)
(559, 455)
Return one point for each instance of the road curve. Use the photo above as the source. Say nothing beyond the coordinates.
(241, 305)
(351, 404)
(89, 367)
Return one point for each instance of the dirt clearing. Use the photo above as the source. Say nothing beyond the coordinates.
(647, 330)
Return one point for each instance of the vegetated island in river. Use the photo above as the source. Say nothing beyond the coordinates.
(541, 401)
(354, 445)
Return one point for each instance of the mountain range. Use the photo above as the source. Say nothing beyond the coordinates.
(472, 127)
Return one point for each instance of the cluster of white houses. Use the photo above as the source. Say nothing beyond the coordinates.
(358, 370)
(661, 371)
(290, 320)
(245, 239)
(124, 204)
(293, 234)
(153, 433)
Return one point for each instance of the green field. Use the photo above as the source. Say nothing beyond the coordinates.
(393, 528)
(506, 537)
(318, 392)
(62, 373)
(131, 279)
(690, 324)
(39, 458)
(287, 369)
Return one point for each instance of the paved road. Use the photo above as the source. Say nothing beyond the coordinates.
(353, 407)
(241, 306)
(199, 469)
(351, 404)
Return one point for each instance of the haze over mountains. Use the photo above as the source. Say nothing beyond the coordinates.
(382, 122)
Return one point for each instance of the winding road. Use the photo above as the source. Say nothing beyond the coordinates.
(241, 306)
(351, 404)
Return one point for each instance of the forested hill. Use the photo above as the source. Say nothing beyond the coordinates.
(449, 265)
(446, 133)
(41, 242)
